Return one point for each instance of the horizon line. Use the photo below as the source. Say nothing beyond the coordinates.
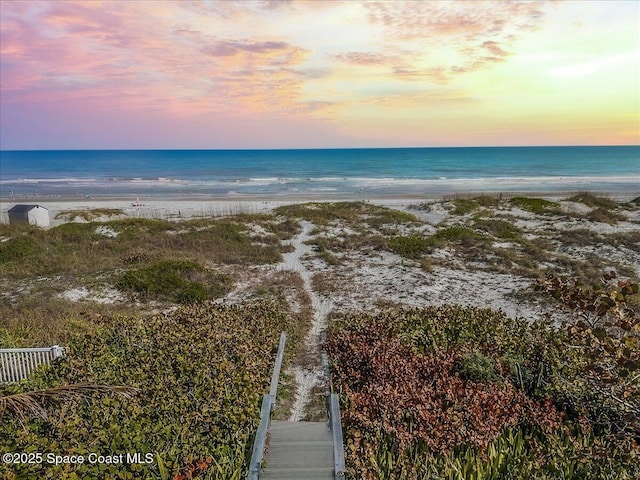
(144, 149)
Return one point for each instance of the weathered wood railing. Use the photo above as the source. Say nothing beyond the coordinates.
(17, 363)
(268, 405)
(335, 423)
(336, 430)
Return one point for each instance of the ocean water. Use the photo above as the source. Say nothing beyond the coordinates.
(392, 171)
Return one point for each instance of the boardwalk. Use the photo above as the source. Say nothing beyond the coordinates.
(296, 449)
(293, 449)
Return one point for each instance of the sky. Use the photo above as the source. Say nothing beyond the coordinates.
(318, 74)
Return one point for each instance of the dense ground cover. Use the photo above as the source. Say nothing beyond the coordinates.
(199, 372)
(460, 393)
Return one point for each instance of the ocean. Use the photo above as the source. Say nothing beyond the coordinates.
(327, 172)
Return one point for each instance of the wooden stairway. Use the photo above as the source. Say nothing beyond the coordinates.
(299, 450)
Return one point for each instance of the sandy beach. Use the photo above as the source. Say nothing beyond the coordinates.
(340, 256)
(386, 275)
(177, 208)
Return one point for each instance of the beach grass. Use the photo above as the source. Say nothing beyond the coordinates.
(499, 228)
(463, 206)
(593, 200)
(488, 200)
(157, 262)
(605, 215)
(88, 214)
(42, 318)
(81, 248)
(351, 213)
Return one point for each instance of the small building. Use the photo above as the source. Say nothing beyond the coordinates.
(31, 214)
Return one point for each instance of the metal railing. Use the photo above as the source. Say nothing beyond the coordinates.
(335, 423)
(17, 363)
(268, 405)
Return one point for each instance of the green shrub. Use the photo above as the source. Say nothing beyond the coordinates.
(487, 201)
(455, 233)
(477, 368)
(463, 206)
(411, 246)
(536, 205)
(18, 248)
(383, 216)
(180, 281)
(499, 228)
(408, 414)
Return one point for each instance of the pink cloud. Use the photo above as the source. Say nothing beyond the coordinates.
(233, 47)
(111, 70)
(494, 48)
(481, 31)
(99, 69)
(470, 19)
(132, 56)
(364, 58)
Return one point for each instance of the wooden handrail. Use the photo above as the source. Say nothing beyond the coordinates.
(278, 365)
(336, 430)
(335, 422)
(261, 437)
(268, 405)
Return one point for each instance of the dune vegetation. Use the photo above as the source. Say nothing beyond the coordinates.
(170, 329)
(198, 376)
(467, 393)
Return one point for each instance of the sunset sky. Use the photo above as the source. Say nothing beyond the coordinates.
(316, 74)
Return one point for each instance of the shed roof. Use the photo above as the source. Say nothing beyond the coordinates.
(24, 208)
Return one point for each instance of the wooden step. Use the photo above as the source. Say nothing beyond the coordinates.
(290, 431)
(298, 474)
(301, 450)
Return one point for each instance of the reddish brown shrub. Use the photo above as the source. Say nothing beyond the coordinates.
(414, 399)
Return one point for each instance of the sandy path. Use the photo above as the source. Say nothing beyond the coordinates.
(309, 373)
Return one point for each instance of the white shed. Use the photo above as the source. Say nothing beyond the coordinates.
(32, 214)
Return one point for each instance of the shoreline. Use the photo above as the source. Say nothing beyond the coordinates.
(621, 195)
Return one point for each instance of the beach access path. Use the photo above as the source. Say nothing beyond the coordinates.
(307, 375)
